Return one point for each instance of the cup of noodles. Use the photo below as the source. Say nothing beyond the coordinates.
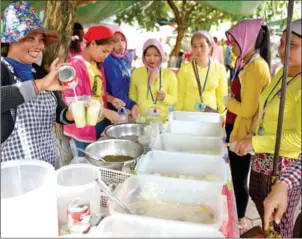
(78, 109)
(67, 75)
(78, 215)
(93, 112)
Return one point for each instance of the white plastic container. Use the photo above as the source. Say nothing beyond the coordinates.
(190, 144)
(195, 116)
(135, 226)
(195, 128)
(173, 163)
(77, 181)
(28, 199)
(170, 190)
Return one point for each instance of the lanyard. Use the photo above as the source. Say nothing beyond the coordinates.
(200, 90)
(124, 69)
(154, 100)
(267, 101)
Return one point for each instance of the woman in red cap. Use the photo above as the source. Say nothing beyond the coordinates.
(91, 84)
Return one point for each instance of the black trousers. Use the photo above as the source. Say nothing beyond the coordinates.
(240, 167)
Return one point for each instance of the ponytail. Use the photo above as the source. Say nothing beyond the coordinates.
(77, 38)
(263, 43)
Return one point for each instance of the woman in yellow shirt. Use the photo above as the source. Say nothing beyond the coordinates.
(263, 143)
(201, 82)
(152, 87)
(249, 39)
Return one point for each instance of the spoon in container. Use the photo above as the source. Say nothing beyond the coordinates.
(92, 156)
(113, 197)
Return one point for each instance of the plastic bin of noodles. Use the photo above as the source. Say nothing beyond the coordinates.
(185, 166)
(195, 123)
(135, 226)
(195, 117)
(171, 191)
(190, 144)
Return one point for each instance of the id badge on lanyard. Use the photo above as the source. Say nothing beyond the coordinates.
(154, 111)
(200, 106)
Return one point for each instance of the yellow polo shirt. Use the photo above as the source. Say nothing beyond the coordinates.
(214, 92)
(96, 83)
(139, 91)
(291, 129)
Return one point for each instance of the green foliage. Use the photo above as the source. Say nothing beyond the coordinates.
(275, 12)
(146, 13)
(272, 10)
(192, 15)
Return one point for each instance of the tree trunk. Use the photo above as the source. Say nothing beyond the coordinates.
(59, 16)
(175, 52)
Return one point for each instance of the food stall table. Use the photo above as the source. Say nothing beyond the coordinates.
(230, 224)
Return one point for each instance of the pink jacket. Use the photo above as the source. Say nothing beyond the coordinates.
(83, 91)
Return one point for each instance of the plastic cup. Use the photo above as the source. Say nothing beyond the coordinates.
(79, 113)
(93, 112)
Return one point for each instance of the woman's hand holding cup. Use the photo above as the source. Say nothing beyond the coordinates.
(51, 81)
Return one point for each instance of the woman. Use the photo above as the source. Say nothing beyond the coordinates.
(77, 41)
(201, 82)
(217, 51)
(90, 84)
(118, 72)
(263, 143)
(250, 44)
(30, 103)
(152, 87)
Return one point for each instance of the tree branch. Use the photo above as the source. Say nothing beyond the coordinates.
(184, 2)
(191, 9)
(175, 11)
(189, 12)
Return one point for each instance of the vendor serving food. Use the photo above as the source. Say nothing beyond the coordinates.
(30, 103)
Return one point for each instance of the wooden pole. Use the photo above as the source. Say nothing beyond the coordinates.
(283, 89)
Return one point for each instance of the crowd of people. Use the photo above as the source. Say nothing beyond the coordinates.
(31, 102)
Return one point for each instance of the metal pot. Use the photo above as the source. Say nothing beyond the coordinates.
(114, 147)
(131, 131)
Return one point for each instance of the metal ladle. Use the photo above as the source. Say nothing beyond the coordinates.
(113, 197)
(92, 156)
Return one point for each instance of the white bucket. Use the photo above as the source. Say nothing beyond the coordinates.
(28, 199)
(77, 181)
